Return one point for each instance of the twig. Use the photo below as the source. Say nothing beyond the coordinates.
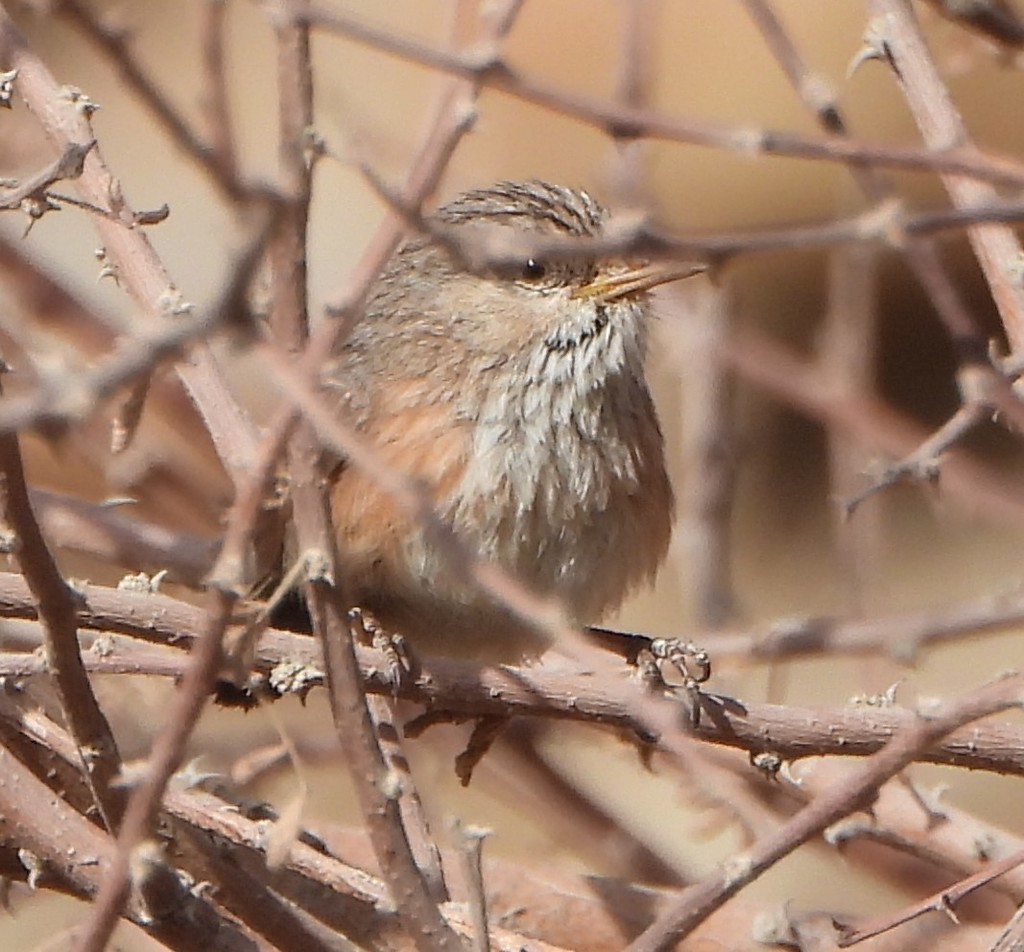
(997, 19)
(417, 910)
(697, 902)
(66, 401)
(68, 165)
(915, 823)
(215, 104)
(251, 899)
(704, 528)
(967, 481)
(1011, 939)
(943, 901)
(78, 854)
(635, 73)
(984, 392)
(107, 534)
(489, 70)
(112, 44)
(140, 270)
(813, 88)
(922, 465)
(147, 660)
(165, 757)
(846, 353)
(899, 636)
(425, 850)
(886, 222)
(57, 606)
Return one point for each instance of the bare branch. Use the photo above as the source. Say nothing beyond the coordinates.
(489, 70)
(698, 902)
(57, 605)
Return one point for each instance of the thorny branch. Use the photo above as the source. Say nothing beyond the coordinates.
(285, 661)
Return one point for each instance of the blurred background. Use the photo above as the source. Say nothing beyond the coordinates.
(791, 556)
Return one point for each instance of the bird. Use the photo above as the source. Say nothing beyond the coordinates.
(515, 394)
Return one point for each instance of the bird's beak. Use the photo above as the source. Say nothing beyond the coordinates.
(611, 286)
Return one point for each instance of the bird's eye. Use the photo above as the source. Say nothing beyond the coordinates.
(533, 270)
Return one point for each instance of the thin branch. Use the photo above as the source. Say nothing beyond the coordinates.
(996, 19)
(248, 896)
(918, 823)
(419, 914)
(67, 400)
(813, 88)
(68, 165)
(79, 855)
(696, 903)
(57, 606)
(108, 534)
(139, 269)
(943, 901)
(899, 636)
(409, 886)
(709, 445)
(470, 843)
(212, 28)
(967, 481)
(425, 850)
(922, 464)
(164, 759)
(634, 78)
(886, 222)
(112, 44)
(488, 69)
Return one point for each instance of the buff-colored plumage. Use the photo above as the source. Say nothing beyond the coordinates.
(519, 398)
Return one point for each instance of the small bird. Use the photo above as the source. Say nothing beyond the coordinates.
(518, 398)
